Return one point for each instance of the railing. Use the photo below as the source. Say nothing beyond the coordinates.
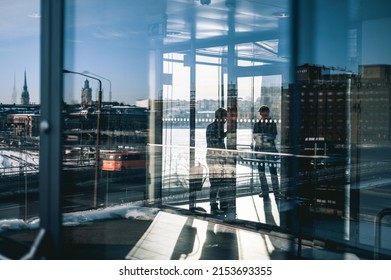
(35, 248)
(378, 222)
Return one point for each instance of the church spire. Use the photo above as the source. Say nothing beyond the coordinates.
(25, 98)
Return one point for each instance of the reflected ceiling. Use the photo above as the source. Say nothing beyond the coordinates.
(257, 27)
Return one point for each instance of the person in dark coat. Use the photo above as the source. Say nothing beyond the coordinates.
(215, 158)
(264, 135)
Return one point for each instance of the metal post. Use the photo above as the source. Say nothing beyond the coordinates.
(50, 160)
(193, 68)
(97, 149)
(110, 96)
(232, 109)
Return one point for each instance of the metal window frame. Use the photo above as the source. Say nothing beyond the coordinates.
(50, 160)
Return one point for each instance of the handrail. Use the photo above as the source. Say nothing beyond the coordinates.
(31, 254)
(378, 219)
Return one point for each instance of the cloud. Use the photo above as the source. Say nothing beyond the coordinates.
(35, 15)
(16, 19)
(109, 33)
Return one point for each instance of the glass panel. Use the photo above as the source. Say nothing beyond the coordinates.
(370, 135)
(148, 81)
(343, 91)
(147, 77)
(106, 105)
(238, 74)
(204, 113)
(19, 134)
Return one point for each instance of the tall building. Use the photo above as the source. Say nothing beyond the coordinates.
(25, 97)
(374, 101)
(324, 97)
(86, 93)
(371, 122)
(323, 101)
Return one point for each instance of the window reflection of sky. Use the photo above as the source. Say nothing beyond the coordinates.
(103, 37)
(19, 48)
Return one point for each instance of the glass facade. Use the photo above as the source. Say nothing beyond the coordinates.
(272, 116)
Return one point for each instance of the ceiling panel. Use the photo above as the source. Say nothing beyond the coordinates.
(250, 21)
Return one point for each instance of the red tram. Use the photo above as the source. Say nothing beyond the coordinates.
(121, 161)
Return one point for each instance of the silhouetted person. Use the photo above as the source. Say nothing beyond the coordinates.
(215, 142)
(264, 135)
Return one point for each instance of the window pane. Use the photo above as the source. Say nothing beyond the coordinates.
(297, 146)
(343, 78)
(148, 81)
(19, 134)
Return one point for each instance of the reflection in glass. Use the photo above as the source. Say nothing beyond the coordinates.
(142, 83)
(19, 118)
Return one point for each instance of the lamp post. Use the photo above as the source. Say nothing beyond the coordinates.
(96, 75)
(109, 113)
(97, 152)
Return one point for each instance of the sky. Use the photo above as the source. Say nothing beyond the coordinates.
(19, 48)
(94, 42)
(108, 38)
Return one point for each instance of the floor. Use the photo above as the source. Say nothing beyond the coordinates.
(176, 235)
(173, 236)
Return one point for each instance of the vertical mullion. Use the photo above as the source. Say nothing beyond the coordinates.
(50, 160)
